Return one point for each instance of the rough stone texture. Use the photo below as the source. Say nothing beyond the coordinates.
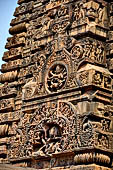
(11, 167)
(79, 167)
(56, 104)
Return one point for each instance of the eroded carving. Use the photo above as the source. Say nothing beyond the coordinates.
(56, 92)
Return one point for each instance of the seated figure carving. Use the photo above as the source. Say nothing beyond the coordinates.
(48, 142)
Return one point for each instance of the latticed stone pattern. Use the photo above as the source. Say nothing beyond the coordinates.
(56, 104)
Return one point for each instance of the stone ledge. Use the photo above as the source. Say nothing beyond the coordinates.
(79, 167)
(11, 167)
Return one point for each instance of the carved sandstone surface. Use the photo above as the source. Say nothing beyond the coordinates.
(7, 167)
(56, 91)
(93, 166)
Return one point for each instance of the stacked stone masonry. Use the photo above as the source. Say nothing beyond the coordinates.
(56, 92)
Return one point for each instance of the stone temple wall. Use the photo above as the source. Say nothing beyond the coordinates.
(56, 104)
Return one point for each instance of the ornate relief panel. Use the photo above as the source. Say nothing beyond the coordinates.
(56, 86)
(56, 77)
(46, 131)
